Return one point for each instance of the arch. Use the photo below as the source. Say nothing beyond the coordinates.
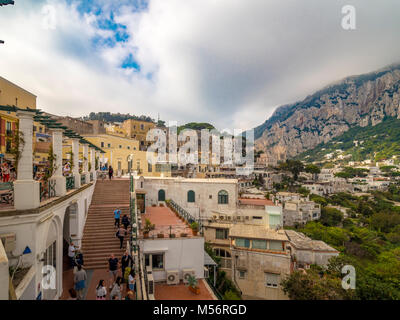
(223, 197)
(161, 195)
(191, 196)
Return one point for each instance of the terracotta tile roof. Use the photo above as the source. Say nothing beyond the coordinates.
(256, 202)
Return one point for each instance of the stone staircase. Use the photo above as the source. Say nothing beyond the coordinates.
(99, 240)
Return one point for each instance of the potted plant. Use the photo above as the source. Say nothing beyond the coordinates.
(160, 235)
(193, 285)
(183, 235)
(147, 228)
(195, 228)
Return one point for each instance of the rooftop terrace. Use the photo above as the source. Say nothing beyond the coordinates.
(166, 222)
(181, 292)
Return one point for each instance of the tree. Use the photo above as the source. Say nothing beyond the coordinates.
(331, 217)
(313, 169)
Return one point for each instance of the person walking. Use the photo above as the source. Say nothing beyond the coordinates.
(121, 233)
(126, 262)
(113, 269)
(72, 294)
(101, 291)
(132, 281)
(125, 221)
(80, 282)
(71, 254)
(116, 292)
(110, 172)
(117, 215)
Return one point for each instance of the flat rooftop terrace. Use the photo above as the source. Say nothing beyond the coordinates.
(166, 222)
(162, 291)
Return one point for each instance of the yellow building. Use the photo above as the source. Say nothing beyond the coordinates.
(116, 130)
(13, 95)
(137, 129)
(117, 149)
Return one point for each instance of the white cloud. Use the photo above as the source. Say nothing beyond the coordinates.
(228, 62)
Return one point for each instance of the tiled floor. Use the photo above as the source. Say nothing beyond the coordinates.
(165, 221)
(181, 292)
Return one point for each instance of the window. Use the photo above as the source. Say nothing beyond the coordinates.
(225, 258)
(191, 196)
(210, 196)
(102, 144)
(275, 245)
(155, 260)
(259, 244)
(8, 146)
(242, 274)
(244, 243)
(223, 197)
(271, 280)
(221, 234)
(129, 148)
(109, 145)
(142, 127)
(120, 146)
(149, 167)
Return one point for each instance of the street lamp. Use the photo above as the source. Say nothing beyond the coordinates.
(4, 3)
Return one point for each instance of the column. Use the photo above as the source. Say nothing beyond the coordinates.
(61, 188)
(75, 160)
(93, 163)
(85, 170)
(26, 190)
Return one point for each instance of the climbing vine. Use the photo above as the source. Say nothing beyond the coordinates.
(17, 143)
(52, 164)
(71, 159)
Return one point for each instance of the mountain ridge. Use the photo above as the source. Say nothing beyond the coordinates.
(355, 100)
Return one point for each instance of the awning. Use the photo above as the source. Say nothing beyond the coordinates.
(208, 261)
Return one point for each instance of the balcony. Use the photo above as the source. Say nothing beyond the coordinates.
(47, 190)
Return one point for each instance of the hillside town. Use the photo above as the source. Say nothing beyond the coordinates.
(225, 234)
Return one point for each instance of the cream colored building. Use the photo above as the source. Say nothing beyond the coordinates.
(137, 129)
(117, 150)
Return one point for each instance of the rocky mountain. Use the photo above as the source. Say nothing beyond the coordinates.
(355, 101)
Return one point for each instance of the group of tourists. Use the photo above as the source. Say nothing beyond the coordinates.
(117, 281)
(122, 272)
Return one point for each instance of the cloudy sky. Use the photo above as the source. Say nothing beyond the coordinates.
(227, 62)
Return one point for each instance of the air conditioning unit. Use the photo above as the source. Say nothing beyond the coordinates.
(9, 241)
(247, 218)
(239, 218)
(186, 273)
(150, 284)
(172, 277)
(149, 270)
(206, 273)
(228, 217)
(221, 217)
(215, 217)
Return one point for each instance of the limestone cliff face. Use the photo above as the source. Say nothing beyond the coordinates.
(358, 100)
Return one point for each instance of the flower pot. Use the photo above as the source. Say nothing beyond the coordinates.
(194, 232)
(160, 235)
(145, 235)
(195, 290)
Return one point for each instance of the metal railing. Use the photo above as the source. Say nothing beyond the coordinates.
(215, 290)
(47, 189)
(70, 182)
(183, 213)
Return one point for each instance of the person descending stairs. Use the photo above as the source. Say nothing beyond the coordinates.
(99, 235)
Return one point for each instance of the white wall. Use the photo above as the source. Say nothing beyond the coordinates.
(39, 230)
(179, 253)
(177, 188)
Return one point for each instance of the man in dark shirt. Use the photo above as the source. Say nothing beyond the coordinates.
(113, 269)
(126, 261)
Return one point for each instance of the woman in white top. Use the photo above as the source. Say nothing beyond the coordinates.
(101, 291)
(131, 280)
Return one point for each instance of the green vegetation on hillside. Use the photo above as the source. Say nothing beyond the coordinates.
(368, 239)
(115, 117)
(196, 126)
(378, 142)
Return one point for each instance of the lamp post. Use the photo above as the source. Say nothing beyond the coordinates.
(4, 3)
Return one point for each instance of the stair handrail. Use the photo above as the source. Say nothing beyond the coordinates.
(185, 214)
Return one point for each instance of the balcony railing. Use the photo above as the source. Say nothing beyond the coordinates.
(182, 212)
(70, 182)
(7, 193)
(83, 179)
(47, 189)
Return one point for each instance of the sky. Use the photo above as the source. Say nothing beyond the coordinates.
(227, 62)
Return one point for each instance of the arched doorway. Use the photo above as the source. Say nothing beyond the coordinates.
(51, 263)
(161, 195)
